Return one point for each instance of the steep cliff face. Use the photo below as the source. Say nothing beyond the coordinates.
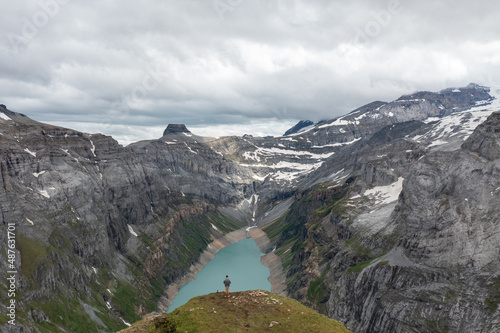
(442, 272)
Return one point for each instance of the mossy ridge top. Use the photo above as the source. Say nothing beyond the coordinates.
(249, 311)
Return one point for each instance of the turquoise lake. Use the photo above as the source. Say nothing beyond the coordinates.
(241, 261)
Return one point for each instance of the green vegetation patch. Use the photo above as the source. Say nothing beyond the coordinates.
(67, 313)
(287, 246)
(110, 323)
(274, 229)
(359, 267)
(494, 299)
(357, 248)
(3, 319)
(33, 254)
(338, 207)
(318, 293)
(124, 299)
(249, 311)
(436, 326)
(47, 327)
(224, 223)
(146, 240)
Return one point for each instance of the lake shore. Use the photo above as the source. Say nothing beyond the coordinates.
(270, 260)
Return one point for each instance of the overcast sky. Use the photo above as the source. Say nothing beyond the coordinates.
(129, 68)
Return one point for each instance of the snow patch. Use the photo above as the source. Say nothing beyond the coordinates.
(414, 100)
(252, 155)
(189, 148)
(214, 226)
(272, 152)
(131, 230)
(335, 175)
(340, 122)
(30, 152)
(217, 152)
(291, 170)
(125, 322)
(304, 129)
(27, 219)
(437, 143)
(260, 178)
(4, 116)
(459, 124)
(340, 144)
(38, 174)
(431, 120)
(44, 193)
(92, 149)
(386, 194)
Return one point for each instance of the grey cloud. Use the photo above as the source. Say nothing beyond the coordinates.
(145, 63)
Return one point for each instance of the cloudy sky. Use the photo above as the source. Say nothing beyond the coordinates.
(223, 67)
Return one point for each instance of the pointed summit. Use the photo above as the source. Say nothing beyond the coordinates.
(176, 128)
(298, 127)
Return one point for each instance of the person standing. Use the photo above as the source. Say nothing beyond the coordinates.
(227, 283)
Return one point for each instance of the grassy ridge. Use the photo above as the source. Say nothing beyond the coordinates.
(248, 311)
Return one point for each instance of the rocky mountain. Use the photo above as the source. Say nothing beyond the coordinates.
(400, 231)
(384, 219)
(301, 126)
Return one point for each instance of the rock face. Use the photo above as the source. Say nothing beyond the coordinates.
(176, 128)
(299, 126)
(441, 267)
(384, 219)
(485, 141)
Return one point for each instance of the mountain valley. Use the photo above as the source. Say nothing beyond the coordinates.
(385, 219)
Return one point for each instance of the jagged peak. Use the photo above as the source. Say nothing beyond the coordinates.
(298, 127)
(486, 138)
(477, 87)
(176, 128)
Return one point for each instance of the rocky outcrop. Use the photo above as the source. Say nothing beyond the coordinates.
(175, 128)
(486, 139)
(298, 127)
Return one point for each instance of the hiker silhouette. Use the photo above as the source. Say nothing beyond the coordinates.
(227, 283)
